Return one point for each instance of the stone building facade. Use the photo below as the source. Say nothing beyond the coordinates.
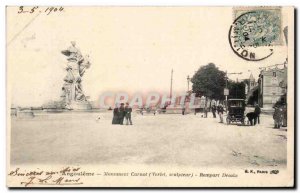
(272, 85)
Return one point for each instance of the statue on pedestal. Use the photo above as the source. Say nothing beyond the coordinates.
(72, 94)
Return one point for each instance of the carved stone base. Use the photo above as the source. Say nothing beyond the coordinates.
(80, 105)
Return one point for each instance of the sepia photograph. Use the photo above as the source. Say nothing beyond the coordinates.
(151, 96)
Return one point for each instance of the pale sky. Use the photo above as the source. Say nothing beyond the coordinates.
(131, 49)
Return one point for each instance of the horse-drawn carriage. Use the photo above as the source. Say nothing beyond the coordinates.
(235, 111)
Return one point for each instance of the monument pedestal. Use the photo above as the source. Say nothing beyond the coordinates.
(80, 105)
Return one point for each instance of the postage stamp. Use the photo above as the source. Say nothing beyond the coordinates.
(255, 31)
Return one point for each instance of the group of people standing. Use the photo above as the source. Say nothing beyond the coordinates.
(121, 112)
(219, 109)
(279, 116)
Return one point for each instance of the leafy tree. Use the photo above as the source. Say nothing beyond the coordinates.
(236, 90)
(253, 98)
(209, 81)
(246, 81)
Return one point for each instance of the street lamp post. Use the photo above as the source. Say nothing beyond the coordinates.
(188, 82)
(171, 86)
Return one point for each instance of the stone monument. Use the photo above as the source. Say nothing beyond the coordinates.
(73, 97)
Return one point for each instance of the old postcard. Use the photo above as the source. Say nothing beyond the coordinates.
(150, 96)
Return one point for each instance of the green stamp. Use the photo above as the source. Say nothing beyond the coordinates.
(254, 32)
(258, 28)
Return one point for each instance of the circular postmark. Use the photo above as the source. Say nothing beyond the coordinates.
(252, 34)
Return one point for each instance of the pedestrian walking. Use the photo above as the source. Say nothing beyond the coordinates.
(277, 116)
(213, 110)
(128, 111)
(220, 110)
(205, 112)
(257, 112)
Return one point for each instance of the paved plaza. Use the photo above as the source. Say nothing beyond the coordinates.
(173, 139)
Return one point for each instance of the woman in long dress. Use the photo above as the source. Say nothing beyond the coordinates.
(115, 119)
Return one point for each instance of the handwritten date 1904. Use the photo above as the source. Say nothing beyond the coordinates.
(37, 9)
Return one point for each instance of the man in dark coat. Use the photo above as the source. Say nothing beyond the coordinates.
(213, 110)
(257, 112)
(128, 111)
(277, 116)
(121, 114)
(205, 110)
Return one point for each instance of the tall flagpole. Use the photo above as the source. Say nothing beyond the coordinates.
(171, 84)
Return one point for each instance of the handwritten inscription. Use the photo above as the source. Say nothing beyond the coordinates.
(37, 9)
(67, 176)
(75, 176)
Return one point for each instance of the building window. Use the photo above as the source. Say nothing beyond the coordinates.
(274, 74)
(274, 81)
